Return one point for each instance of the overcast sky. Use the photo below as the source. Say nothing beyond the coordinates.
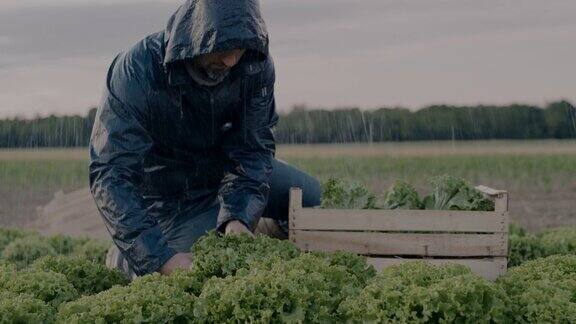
(330, 53)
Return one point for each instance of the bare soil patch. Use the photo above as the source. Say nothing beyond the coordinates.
(76, 214)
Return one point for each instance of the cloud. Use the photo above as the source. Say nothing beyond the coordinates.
(66, 86)
(4, 40)
(327, 52)
(467, 70)
(20, 4)
(51, 33)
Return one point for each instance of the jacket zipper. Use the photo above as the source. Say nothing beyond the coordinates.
(212, 116)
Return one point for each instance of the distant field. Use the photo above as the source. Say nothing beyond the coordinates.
(541, 175)
(544, 172)
(430, 148)
(425, 148)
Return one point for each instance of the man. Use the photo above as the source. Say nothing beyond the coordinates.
(183, 141)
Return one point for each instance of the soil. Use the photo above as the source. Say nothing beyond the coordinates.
(18, 209)
(75, 213)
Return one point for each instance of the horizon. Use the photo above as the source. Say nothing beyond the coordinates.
(328, 54)
(310, 108)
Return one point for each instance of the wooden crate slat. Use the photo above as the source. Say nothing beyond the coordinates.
(378, 243)
(500, 197)
(489, 268)
(489, 191)
(398, 220)
(363, 232)
(501, 203)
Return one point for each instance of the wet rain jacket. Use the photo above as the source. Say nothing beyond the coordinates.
(159, 135)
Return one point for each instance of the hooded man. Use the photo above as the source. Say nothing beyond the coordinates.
(183, 142)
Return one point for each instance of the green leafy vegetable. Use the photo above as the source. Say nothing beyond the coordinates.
(88, 277)
(245, 279)
(7, 273)
(558, 241)
(24, 308)
(339, 194)
(402, 196)
(23, 251)
(94, 250)
(190, 281)
(64, 244)
(305, 289)
(515, 229)
(222, 256)
(542, 290)
(354, 264)
(9, 235)
(50, 287)
(416, 292)
(524, 246)
(449, 192)
(149, 299)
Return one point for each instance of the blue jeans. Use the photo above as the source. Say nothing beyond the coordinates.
(183, 222)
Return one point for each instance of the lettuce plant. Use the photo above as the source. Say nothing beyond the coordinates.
(416, 292)
(50, 287)
(149, 299)
(88, 277)
(337, 193)
(402, 195)
(221, 256)
(24, 308)
(449, 192)
(306, 289)
(23, 251)
(542, 290)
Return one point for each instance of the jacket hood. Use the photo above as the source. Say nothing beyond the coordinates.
(207, 26)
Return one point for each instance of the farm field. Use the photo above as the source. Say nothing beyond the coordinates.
(540, 175)
(62, 279)
(237, 279)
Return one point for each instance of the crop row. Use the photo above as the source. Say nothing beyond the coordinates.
(243, 279)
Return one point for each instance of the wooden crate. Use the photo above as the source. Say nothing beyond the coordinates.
(478, 239)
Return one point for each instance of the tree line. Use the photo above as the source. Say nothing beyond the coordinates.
(303, 125)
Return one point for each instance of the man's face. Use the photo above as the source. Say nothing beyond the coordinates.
(221, 62)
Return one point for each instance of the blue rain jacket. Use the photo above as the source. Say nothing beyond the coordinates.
(159, 135)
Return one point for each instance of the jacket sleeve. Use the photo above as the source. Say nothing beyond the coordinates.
(250, 148)
(118, 146)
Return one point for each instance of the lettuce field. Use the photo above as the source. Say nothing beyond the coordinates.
(61, 279)
(241, 279)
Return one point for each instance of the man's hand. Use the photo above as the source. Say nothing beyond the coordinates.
(235, 227)
(178, 261)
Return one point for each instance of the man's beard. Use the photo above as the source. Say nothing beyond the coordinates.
(206, 76)
(216, 74)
